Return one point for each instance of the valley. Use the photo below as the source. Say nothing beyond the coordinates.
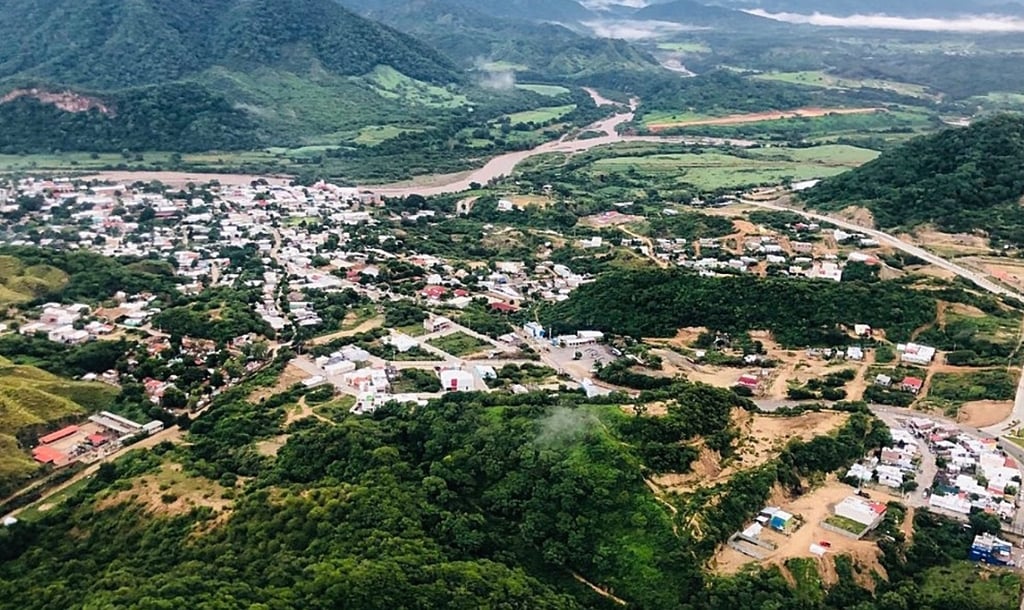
(548, 304)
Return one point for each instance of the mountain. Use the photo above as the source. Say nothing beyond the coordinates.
(959, 180)
(917, 9)
(565, 11)
(85, 42)
(476, 35)
(697, 14)
(193, 74)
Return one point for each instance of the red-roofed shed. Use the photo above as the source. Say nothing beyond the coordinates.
(503, 307)
(48, 455)
(97, 439)
(59, 434)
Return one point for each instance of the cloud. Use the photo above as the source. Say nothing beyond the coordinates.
(604, 5)
(974, 23)
(489, 78)
(563, 425)
(632, 29)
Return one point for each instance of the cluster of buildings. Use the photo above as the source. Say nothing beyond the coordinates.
(60, 324)
(974, 474)
(895, 465)
(102, 434)
(764, 254)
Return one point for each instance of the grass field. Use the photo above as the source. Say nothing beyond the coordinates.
(392, 84)
(459, 344)
(985, 587)
(845, 524)
(958, 388)
(19, 284)
(828, 154)
(540, 115)
(32, 513)
(713, 170)
(14, 463)
(893, 124)
(684, 47)
(375, 134)
(546, 90)
(828, 81)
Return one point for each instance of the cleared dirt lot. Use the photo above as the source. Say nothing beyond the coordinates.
(761, 439)
(813, 508)
(289, 377)
(984, 413)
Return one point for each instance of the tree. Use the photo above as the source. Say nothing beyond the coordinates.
(173, 398)
(984, 523)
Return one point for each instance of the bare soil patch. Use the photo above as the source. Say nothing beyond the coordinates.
(813, 508)
(169, 491)
(962, 244)
(289, 377)
(761, 439)
(860, 216)
(270, 447)
(984, 413)
(367, 326)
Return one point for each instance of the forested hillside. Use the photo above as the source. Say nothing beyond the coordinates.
(504, 37)
(698, 14)
(479, 500)
(197, 74)
(86, 42)
(962, 179)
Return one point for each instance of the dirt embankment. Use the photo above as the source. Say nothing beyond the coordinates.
(65, 100)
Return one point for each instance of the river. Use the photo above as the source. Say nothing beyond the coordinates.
(441, 184)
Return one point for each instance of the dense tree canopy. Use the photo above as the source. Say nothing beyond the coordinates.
(656, 303)
(959, 179)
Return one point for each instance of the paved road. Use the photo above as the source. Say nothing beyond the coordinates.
(978, 279)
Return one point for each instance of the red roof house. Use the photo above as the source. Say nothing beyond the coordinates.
(912, 384)
(48, 455)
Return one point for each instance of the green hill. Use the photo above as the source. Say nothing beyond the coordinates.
(20, 283)
(958, 180)
(191, 75)
(509, 36)
(32, 402)
(697, 14)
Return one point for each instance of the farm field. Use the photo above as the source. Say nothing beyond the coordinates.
(547, 90)
(684, 47)
(713, 170)
(540, 115)
(829, 81)
(757, 117)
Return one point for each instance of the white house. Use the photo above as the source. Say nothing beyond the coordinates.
(455, 380)
(915, 354)
(867, 513)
